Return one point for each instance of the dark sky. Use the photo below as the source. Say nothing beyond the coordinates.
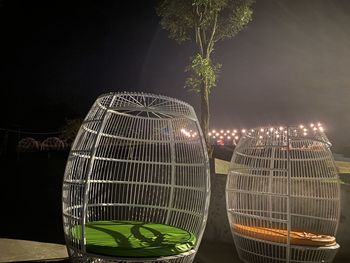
(290, 65)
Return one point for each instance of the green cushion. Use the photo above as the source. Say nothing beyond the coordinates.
(135, 239)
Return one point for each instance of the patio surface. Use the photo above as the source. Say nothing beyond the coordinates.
(13, 250)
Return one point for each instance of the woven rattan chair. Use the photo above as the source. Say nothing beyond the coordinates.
(283, 196)
(136, 186)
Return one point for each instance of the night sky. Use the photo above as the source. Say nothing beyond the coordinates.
(290, 65)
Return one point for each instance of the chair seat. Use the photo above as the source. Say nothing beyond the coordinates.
(298, 238)
(135, 239)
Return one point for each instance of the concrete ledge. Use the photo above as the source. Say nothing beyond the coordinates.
(14, 250)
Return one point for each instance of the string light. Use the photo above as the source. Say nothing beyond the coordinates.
(225, 136)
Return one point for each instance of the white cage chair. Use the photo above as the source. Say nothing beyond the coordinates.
(283, 196)
(136, 186)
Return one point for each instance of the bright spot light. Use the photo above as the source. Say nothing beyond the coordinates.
(228, 137)
(277, 136)
(281, 128)
(209, 133)
(222, 131)
(321, 129)
(312, 125)
(301, 126)
(261, 129)
(236, 137)
(243, 131)
(228, 131)
(236, 131)
(260, 137)
(305, 133)
(271, 129)
(305, 129)
(319, 124)
(217, 134)
(213, 131)
(221, 137)
(315, 129)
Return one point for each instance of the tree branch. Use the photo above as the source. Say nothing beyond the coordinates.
(211, 40)
(198, 30)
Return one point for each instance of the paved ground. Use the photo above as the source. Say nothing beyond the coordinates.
(12, 250)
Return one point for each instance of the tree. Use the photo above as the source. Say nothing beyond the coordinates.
(70, 129)
(206, 22)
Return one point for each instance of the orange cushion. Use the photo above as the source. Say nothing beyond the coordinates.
(280, 236)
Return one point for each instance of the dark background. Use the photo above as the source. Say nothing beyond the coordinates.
(290, 65)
